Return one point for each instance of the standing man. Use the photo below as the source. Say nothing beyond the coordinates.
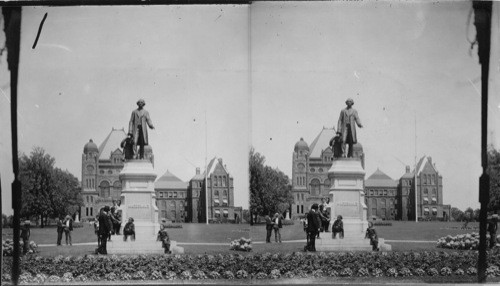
(105, 227)
(137, 127)
(277, 219)
(60, 230)
(348, 117)
(313, 227)
(269, 228)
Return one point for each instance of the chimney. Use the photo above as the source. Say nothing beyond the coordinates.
(197, 171)
(407, 169)
(430, 159)
(220, 161)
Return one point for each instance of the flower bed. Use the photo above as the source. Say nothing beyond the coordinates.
(469, 241)
(37, 269)
(8, 247)
(242, 244)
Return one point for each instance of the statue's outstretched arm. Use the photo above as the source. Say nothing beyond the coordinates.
(149, 122)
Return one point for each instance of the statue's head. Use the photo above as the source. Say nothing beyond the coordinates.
(349, 102)
(141, 102)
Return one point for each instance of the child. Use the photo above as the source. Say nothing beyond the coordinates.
(128, 147)
(338, 227)
(129, 229)
(372, 235)
(336, 144)
(96, 230)
(25, 236)
(165, 240)
(304, 224)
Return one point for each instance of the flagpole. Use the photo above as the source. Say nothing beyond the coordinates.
(206, 171)
(415, 184)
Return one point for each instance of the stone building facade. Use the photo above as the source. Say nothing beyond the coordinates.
(310, 165)
(177, 201)
(395, 200)
(172, 198)
(428, 184)
(219, 188)
(385, 198)
(101, 167)
(381, 196)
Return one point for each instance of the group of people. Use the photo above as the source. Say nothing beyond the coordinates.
(314, 223)
(108, 222)
(276, 223)
(64, 225)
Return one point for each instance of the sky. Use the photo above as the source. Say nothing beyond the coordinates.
(407, 65)
(265, 75)
(92, 64)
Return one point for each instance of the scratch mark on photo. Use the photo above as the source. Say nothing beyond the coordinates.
(39, 31)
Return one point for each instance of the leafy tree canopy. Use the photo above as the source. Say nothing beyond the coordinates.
(46, 191)
(270, 189)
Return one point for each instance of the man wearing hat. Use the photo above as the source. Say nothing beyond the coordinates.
(348, 117)
(105, 227)
(313, 227)
(137, 127)
(492, 229)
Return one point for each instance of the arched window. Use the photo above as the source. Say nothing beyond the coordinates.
(223, 181)
(216, 193)
(315, 187)
(426, 191)
(225, 193)
(104, 189)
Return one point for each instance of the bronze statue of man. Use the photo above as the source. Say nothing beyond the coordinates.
(137, 127)
(348, 117)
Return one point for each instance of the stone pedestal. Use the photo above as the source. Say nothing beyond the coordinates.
(139, 202)
(347, 199)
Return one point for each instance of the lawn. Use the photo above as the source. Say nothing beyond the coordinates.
(399, 231)
(189, 233)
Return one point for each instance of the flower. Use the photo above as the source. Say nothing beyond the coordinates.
(392, 272)
(261, 275)
(419, 272)
(241, 274)
(228, 275)
(445, 271)
(186, 275)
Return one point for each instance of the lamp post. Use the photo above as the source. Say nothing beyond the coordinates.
(482, 21)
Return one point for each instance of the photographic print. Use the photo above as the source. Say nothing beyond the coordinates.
(310, 142)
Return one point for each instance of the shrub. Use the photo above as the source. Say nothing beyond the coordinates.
(242, 244)
(287, 222)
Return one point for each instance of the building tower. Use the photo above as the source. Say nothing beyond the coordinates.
(89, 178)
(299, 176)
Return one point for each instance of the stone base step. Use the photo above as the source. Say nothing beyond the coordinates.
(348, 244)
(139, 246)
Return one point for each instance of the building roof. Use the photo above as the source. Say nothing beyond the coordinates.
(111, 143)
(321, 142)
(301, 145)
(211, 168)
(90, 147)
(423, 162)
(170, 181)
(380, 179)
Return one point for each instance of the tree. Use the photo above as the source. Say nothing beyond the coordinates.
(475, 215)
(270, 189)
(469, 214)
(493, 171)
(46, 191)
(457, 214)
(65, 197)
